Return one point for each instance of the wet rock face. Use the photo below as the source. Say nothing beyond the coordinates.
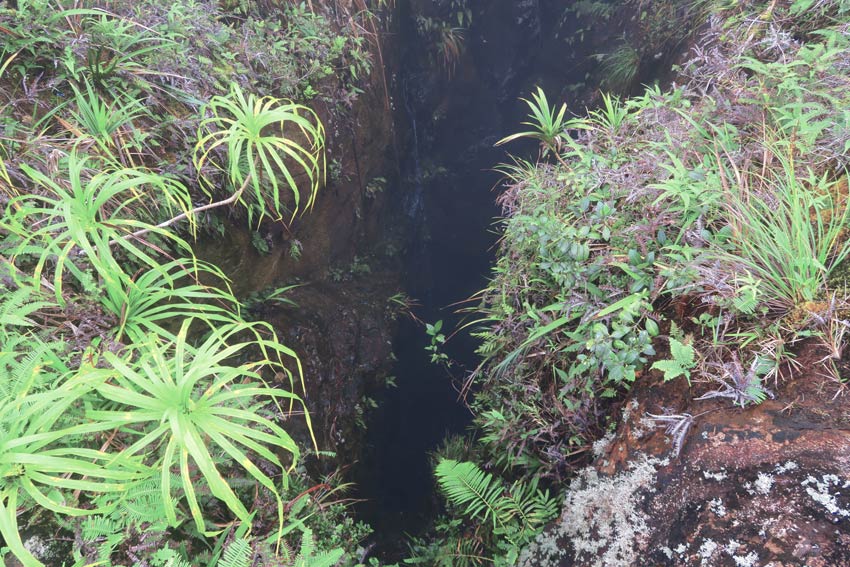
(343, 253)
(343, 335)
(767, 485)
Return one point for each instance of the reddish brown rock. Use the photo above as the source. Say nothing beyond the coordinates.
(764, 485)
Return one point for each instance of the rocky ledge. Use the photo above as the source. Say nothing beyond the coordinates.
(712, 484)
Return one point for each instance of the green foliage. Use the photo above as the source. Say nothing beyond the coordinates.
(100, 120)
(162, 390)
(443, 32)
(514, 514)
(149, 304)
(37, 448)
(620, 67)
(140, 410)
(579, 303)
(785, 238)
(722, 202)
(596, 9)
(548, 124)
(308, 557)
(438, 339)
(251, 130)
(238, 553)
(681, 363)
(90, 215)
(611, 115)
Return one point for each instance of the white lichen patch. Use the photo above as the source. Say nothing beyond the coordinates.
(643, 426)
(719, 476)
(749, 560)
(37, 546)
(787, 467)
(706, 551)
(825, 492)
(600, 446)
(717, 507)
(601, 518)
(732, 547)
(763, 484)
(631, 407)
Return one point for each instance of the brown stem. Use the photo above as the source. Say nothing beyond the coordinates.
(18, 271)
(229, 201)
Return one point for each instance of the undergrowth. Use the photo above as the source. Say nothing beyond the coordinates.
(694, 232)
(145, 418)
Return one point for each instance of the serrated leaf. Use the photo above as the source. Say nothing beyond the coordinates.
(670, 368)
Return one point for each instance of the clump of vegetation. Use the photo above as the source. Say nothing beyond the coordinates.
(145, 416)
(708, 218)
(620, 68)
(443, 33)
(696, 233)
(488, 521)
(654, 33)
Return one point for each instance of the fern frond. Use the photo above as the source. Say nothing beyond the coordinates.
(462, 552)
(531, 507)
(95, 528)
(143, 501)
(23, 359)
(177, 561)
(466, 485)
(517, 514)
(17, 306)
(168, 557)
(237, 554)
(308, 556)
(105, 532)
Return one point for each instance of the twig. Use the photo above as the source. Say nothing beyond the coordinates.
(229, 201)
(18, 271)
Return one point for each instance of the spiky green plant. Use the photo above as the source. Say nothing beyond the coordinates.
(151, 302)
(620, 68)
(83, 221)
(549, 124)
(786, 232)
(40, 459)
(257, 134)
(197, 404)
(611, 115)
(100, 119)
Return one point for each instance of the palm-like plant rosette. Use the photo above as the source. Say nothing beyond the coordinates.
(40, 459)
(188, 402)
(256, 133)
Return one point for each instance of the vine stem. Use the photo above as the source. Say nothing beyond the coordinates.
(229, 201)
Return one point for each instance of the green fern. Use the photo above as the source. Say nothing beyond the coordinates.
(17, 306)
(105, 532)
(468, 487)
(517, 514)
(238, 553)
(95, 528)
(143, 504)
(530, 507)
(308, 556)
(682, 361)
(449, 550)
(177, 561)
(23, 363)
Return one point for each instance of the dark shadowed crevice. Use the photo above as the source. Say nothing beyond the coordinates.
(449, 187)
